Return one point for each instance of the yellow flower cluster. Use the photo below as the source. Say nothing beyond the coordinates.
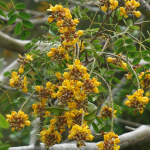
(69, 36)
(18, 120)
(46, 92)
(77, 85)
(130, 7)
(108, 4)
(74, 117)
(107, 112)
(137, 101)
(23, 61)
(80, 133)
(110, 142)
(50, 136)
(117, 62)
(145, 83)
(16, 81)
(39, 109)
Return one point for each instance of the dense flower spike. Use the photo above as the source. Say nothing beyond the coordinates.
(137, 101)
(16, 81)
(39, 109)
(46, 92)
(18, 120)
(110, 142)
(109, 4)
(145, 82)
(80, 133)
(130, 7)
(69, 36)
(50, 136)
(107, 112)
(117, 62)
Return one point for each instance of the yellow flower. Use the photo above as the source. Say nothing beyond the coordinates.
(76, 21)
(21, 69)
(109, 59)
(38, 88)
(66, 75)
(48, 84)
(50, 19)
(104, 8)
(50, 54)
(80, 32)
(137, 13)
(27, 123)
(58, 75)
(29, 57)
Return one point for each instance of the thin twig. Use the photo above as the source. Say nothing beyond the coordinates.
(27, 100)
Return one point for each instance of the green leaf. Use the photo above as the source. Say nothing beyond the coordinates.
(99, 18)
(43, 27)
(38, 82)
(56, 110)
(24, 15)
(2, 13)
(101, 88)
(1, 21)
(121, 69)
(136, 61)
(4, 100)
(116, 80)
(138, 70)
(20, 6)
(11, 12)
(7, 73)
(134, 27)
(90, 116)
(110, 72)
(88, 45)
(86, 10)
(110, 19)
(120, 49)
(112, 65)
(12, 19)
(23, 35)
(146, 59)
(79, 12)
(145, 52)
(3, 4)
(91, 107)
(95, 127)
(147, 66)
(133, 54)
(96, 41)
(4, 147)
(131, 48)
(27, 32)
(52, 33)
(28, 24)
(99, 120)
(101, 59)
(97, 46)
(119, 42)
(117, 107)
(3, 122)
(109, 78)
(18, 28)
(129, 41)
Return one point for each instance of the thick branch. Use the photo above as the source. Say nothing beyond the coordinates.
(140, 135)
(10, 43)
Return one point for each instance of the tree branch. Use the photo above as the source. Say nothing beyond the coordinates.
(140, 135)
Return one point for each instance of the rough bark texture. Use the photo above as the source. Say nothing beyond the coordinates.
(140, 135)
